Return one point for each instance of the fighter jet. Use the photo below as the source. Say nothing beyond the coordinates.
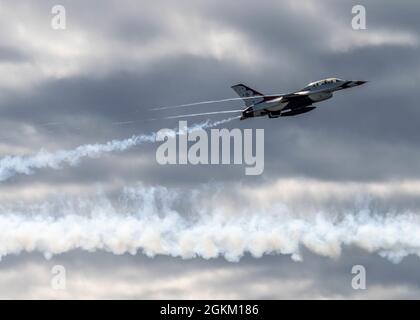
(275, 105)
(292, 104)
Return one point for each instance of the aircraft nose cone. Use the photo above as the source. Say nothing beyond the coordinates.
(359, 83)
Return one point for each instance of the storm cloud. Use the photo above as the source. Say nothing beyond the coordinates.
(355, 156)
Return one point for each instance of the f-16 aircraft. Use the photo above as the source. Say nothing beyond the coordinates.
(292, 104)
(276, 105)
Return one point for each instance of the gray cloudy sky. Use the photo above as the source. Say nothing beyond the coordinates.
(341, 184)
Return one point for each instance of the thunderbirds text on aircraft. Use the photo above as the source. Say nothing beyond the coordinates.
(278, 105)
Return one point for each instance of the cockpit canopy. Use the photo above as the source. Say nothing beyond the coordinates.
(316, 84)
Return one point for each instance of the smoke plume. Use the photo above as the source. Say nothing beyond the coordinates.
(181, 223)
(203, 223)
(13, 165)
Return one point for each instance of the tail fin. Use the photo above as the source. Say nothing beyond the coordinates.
(247, 93)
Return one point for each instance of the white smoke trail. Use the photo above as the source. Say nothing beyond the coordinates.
(204, 114)
(161, 221)
(201, 103)
(12, 165)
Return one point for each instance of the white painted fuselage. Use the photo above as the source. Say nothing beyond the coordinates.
(294, 103)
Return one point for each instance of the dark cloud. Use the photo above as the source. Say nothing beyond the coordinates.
(274, 277)
(140, 58)
(380, 116)
(11, 55)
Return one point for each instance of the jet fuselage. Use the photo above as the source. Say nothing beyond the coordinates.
(295, 103)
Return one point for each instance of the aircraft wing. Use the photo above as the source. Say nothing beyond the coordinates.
(296, 100)
(293, 100)
(285, 97)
